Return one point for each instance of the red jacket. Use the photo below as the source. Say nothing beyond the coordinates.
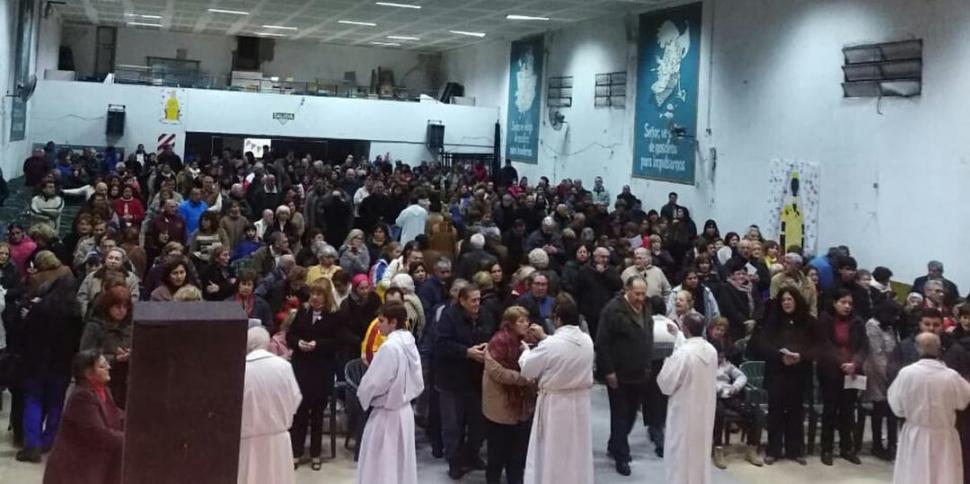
(131, 207)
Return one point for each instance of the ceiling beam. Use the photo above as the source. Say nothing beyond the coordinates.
(90, 12)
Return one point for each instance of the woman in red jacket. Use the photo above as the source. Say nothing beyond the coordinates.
(88, 446)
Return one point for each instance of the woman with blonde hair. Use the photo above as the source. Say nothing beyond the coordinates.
(48, 268)
(317, 333)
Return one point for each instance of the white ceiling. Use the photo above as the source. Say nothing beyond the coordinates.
(317, 20)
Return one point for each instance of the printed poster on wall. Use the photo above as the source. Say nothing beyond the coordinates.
(793, 203)
(525, 101)
(666, 108)
(173, 105)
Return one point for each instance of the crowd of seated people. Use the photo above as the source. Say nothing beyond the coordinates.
(310, 249)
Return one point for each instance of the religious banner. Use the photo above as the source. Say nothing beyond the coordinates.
(793, 204)
(668, 65)
(525, 106)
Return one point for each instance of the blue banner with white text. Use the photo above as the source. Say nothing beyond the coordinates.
(668, 66)
(525, 100)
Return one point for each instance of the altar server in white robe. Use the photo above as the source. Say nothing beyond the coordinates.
(561, 443)
(928, 394)
(270, 398)
(689, 378)
(392, 381)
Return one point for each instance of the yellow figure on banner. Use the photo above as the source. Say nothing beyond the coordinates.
(172, 109)
(792, 217)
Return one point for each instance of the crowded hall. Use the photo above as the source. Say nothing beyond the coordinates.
(519, 242)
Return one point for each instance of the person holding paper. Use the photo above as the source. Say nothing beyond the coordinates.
(786, 341)
(845, 344)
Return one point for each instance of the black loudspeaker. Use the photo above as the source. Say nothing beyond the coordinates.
(436, 136)
(116, 122)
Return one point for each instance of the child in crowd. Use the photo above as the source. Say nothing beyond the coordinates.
(247, 245)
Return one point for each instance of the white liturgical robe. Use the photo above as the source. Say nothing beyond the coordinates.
(561, 443)
(928, 394)
(392, 381)
(688, 376)
(270, 398)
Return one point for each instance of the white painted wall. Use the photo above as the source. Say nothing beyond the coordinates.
(301, 60)
(772, 89)
(74, 113)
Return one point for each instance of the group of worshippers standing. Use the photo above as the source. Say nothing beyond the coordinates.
(642, 301)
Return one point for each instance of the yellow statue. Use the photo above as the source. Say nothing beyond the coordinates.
(172, 110)
(792, 217)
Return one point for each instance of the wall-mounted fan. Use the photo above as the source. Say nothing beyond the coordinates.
(556, 119)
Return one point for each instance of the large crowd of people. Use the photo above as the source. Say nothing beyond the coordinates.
(492, 301)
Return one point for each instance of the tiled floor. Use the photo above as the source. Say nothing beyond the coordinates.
(646, 467)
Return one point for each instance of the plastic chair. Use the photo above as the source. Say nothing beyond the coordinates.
(353, 373)
(755, 395)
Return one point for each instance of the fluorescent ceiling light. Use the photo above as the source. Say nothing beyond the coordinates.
(143, 24)
(399, 5)
(143, 16)
(470, 34)
(279, 27)
(386, 44)
(524, 17)
(353, 22)
(402, 37)
(230, 12)
(269, 34)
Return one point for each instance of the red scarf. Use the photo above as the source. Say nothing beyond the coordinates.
(100, 391)
(247, 305)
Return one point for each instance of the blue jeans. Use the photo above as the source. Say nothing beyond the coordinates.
(43, 403)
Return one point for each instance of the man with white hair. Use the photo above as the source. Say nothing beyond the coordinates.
(934, 272)
(657, 283)
(270, 398)
(793, 277)
(547, 238)
(928, 394)
(600, 193)
(476, 259)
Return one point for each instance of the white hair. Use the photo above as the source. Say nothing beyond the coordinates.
(539, 259)
(404, 282)
(257, 338)
(477, 241)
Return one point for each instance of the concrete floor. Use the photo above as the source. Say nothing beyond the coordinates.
(647, 468)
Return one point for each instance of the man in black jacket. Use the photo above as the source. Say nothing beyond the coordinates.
(459, 356)
(596, 284)
(624, 346)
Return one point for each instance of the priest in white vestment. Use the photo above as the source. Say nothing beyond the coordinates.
(270, 398)
(561, 443)
(392, 381)
(928, 395)
(689, 378)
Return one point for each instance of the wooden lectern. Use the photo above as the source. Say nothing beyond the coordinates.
(185, 387)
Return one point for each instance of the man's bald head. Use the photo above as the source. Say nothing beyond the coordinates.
(928, 345)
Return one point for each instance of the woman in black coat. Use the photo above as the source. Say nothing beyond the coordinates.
(316, 335)
(844, 347)
(218, 278)
(787, 342)
(739, 300)
(52, 334)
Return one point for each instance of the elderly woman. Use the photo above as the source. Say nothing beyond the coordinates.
(114, 265)
(412, 303)
(354, 256)
(508, 399)
(108, 330)
(89, 446)
(683, 304)
(218, 278)
(327, 257)
(701, 296)
(317, 333)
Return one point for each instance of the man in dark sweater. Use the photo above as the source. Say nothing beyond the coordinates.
(624, 346)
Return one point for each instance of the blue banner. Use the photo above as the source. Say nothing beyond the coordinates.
(525, 100)
(668, 65)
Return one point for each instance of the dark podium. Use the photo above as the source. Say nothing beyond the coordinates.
(185, 386)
